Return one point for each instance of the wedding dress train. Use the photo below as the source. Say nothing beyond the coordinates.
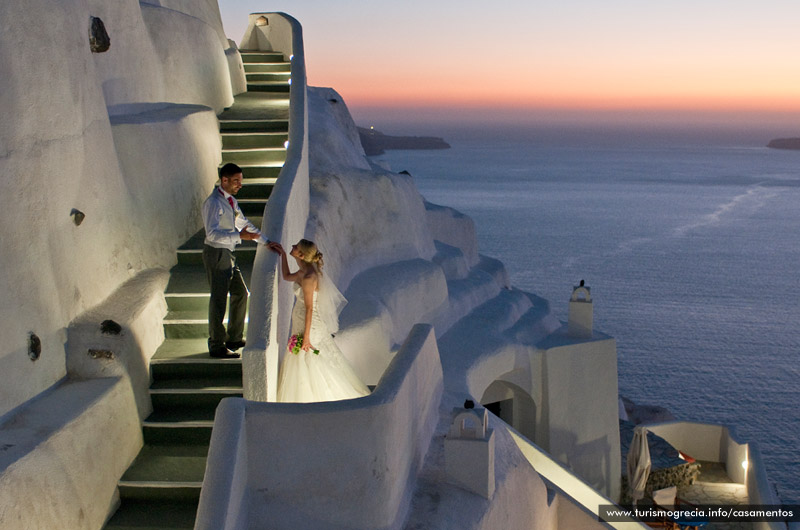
(326, 376)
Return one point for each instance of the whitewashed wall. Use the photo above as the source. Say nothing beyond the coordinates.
(345, 464)
(580, 408)
(130, 138)
(101, 133)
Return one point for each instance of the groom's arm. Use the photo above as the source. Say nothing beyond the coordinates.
(243, 223)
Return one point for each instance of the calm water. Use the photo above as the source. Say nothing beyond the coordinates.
(690, 243)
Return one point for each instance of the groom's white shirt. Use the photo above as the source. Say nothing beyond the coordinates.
(224, 223)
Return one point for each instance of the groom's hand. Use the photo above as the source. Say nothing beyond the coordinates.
(246, 235)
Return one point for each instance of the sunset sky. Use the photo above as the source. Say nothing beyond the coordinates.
(559, 57)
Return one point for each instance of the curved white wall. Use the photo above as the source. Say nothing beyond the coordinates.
(139, 177)
(338, 465)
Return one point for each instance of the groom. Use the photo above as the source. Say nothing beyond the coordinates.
(226, 226)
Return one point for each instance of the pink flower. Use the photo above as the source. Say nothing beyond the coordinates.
(296, 344)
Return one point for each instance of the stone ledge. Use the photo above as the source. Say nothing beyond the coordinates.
(62, 454)
(137, 308)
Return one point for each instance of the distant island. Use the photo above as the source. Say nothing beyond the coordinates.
(376, 143)
(785, 143)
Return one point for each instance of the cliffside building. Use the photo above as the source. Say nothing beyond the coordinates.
(117, 117)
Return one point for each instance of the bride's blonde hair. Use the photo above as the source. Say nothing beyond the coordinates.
(310, 253)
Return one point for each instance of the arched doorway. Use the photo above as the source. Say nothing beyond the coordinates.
(513, 405)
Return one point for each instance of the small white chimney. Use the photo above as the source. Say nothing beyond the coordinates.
(581, 313)
(469, 452)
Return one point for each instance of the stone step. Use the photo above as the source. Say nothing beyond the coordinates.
(267, 77)
(268, 86)
(283, 67)
(208, 383)
(256, 188)
(276, 125)
(196, 417)
(161, 488)
(181, 399)
(191, 278)
(185, 427)
(254, 156)
(252, 206)
(187, 302)
(179, 328)
(249, 106)
(258, 56)
(238, 140)
(160, 491)
(194, 256)
(154, 515)
(198, 433)
(167, 464)
(261, 171)
(189, 324)
(188, 359)
(196, 241)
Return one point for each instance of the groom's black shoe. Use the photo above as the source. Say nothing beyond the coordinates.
(235, 344)
(223, 353)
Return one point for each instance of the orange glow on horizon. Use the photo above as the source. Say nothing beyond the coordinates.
(563, 56)
(712, 103)
(417, 90)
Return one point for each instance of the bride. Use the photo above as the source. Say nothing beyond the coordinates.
(314, 368)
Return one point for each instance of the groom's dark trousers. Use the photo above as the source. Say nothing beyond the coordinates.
(224, 277)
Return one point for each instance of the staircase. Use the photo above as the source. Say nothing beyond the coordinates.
(161, 488)
(266, 71)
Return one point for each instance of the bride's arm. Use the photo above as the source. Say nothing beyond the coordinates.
(288, 276)
(309, 285)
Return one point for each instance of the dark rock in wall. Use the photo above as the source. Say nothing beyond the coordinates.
(376, 143)
(99, 41)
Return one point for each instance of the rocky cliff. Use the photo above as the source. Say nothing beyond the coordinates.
(785, 143)
(376, 143)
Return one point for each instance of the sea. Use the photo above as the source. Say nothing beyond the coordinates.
(689, 239)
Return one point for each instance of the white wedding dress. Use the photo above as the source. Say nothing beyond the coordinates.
(307, 377)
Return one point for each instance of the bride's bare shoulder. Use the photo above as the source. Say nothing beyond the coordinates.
(310, 279)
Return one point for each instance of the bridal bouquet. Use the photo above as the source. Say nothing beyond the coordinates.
(296, 344)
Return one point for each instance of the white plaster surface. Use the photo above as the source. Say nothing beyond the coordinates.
(191, 56)
(519, 501)
(469, 452)
(60, 150)
(580, 412)
(235, 68)
(430, 270)
(454, 228)
(451, 260)
(284, 220)
(138, 306)
(346, 464)
(223, 499)
(130, 138)
(62, 454)
(486, 330)
(206, 11)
